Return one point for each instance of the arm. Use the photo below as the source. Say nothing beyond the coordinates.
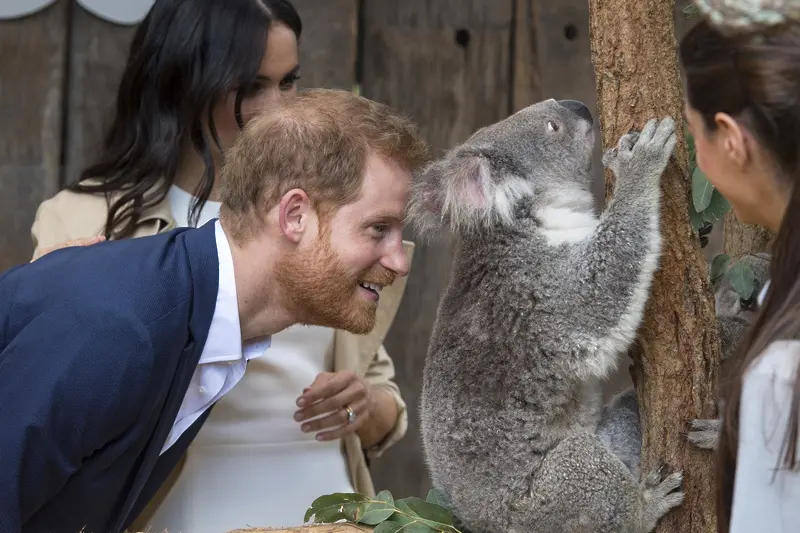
(765, 499)
(612, 270)
(389, 421)
(61, 378)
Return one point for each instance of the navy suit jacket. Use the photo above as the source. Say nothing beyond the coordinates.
(97, 348)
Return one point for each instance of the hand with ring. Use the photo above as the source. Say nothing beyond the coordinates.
(335, 404)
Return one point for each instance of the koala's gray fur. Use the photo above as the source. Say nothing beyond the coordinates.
(544, 296)
(734, 317)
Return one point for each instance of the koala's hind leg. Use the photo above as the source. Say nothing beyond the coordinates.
(620, 429)
(582, 487)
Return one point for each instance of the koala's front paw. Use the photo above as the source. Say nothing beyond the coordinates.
(644, 155)
(704, 433)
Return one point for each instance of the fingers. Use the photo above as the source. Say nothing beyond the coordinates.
(326, 385)
(353, 391)
(336, 422)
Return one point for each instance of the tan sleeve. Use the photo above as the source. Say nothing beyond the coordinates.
(380, 374)
(67, 216)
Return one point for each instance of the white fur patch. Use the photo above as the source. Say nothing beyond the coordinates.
(569, 217)
(566, 225)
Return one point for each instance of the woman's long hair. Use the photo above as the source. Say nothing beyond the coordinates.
(756, 78)
(185, 56)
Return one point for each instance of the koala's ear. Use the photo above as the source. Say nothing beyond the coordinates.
(454, 190)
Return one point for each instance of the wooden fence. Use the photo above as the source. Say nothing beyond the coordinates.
(453, 65)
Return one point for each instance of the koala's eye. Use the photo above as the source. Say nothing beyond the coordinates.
(552, 126)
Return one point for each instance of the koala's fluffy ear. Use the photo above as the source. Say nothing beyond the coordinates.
(452, 190)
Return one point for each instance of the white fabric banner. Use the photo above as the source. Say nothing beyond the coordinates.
(124, 12)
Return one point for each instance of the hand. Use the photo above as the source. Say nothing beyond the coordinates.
(74, 242)
(329, 395)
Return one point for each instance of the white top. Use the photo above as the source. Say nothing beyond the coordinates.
(761, 503)
(765, 499)
(250, 465)
(223, 360)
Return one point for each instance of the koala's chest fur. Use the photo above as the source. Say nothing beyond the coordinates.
(494, 391)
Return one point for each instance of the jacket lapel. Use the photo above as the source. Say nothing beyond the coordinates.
(204, 270)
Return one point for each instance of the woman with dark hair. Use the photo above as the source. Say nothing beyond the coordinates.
(743, 108)
(197, 72)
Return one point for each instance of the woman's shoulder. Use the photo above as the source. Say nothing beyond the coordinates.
(780, 360)
(69, 215)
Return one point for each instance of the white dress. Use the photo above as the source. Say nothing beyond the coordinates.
(250, 465)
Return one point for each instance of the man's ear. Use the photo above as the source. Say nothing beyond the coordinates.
(294, 214)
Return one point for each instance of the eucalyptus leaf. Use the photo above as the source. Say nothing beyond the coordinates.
(331, 507)
(375, 512)
(410, 523)
(717, 208)
(389, 526)
(702, 190)
(429, 511)
(385, 496)
(719, 265)
(690, 148)
(691, 11)
(436, 497)
(696, 219)
(743, 279)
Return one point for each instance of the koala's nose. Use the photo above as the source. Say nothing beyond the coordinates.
(579, 108)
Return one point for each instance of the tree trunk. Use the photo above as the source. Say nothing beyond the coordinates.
(741, 238)
(675, 367)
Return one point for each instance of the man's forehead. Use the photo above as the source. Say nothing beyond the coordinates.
(385, 184)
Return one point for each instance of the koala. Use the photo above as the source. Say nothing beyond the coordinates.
(734, 317)
(544, 295)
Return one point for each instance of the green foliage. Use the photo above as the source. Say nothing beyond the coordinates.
(708, 205)
(739, 274)
(691, 11)
(387, 515)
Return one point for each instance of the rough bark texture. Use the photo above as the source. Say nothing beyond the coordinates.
(743, 238)
(675, 368)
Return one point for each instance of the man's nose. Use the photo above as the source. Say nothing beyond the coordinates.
(396, 260)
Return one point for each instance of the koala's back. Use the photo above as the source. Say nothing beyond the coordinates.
(495, 398)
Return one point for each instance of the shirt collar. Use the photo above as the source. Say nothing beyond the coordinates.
(224, 341)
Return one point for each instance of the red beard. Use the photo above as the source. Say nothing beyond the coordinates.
(322, 292)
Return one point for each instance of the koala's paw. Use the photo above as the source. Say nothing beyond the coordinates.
(704, 433)
(659, 495)
(644, 155)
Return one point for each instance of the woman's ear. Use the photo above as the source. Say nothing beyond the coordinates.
(734, 138)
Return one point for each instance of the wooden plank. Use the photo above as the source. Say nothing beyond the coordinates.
(445, 63)
(32, 61)
(328, 44)
(98, 52)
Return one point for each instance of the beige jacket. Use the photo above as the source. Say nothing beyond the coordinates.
(70, 215)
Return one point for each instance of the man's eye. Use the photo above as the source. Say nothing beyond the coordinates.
(379, 229)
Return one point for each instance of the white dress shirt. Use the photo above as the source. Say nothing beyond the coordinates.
(224, 358)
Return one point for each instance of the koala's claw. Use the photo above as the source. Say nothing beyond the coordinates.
(660, 495)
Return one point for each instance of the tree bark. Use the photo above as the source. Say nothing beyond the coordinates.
(676, 363)
(741, 238)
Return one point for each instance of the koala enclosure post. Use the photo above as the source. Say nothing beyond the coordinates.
(741, 238)
(634, 54)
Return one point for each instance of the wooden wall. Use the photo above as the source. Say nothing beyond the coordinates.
(453, 65)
